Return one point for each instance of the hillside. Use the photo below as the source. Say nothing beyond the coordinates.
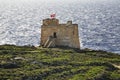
(30, 63)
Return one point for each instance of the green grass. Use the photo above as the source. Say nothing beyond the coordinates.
(30, 63)
(91, 74)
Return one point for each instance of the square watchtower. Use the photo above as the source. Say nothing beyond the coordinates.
(54, 34)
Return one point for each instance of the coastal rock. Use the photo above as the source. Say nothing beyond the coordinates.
(19, 58)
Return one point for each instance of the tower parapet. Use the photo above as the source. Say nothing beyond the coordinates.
(50, 21)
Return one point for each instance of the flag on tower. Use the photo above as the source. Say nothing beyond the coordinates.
(52, 16)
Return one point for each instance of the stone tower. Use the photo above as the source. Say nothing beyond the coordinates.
(54, 34)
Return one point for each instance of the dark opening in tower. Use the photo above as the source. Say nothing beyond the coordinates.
(54, 35)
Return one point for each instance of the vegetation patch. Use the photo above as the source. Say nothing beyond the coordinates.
(31, 63)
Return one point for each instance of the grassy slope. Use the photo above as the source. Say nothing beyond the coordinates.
(29, 63)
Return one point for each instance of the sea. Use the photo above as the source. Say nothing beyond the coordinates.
(98, 21)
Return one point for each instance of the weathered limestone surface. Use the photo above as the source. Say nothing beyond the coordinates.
(64, 34)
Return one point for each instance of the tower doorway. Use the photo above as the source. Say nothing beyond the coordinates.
(54, 35)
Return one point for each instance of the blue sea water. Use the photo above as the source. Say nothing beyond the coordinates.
(99, 22)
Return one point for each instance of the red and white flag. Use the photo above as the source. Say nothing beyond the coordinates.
(52, 16)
